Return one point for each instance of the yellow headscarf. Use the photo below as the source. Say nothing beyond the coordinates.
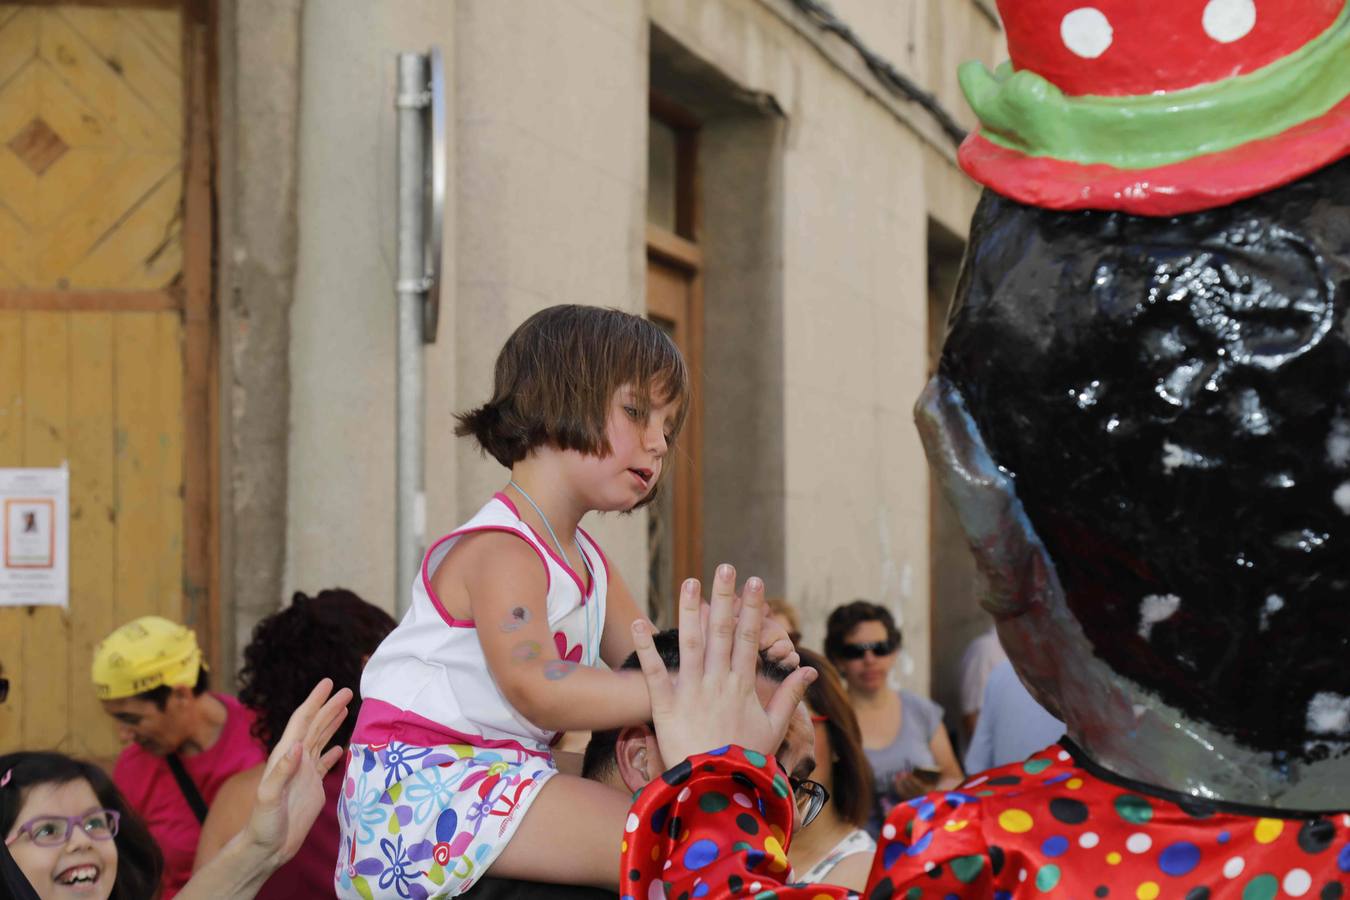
(144, 654)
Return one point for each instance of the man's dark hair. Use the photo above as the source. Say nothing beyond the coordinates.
(160, 695)
(599, 759)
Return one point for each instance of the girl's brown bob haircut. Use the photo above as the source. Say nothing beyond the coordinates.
(851, 792)
(557, 375)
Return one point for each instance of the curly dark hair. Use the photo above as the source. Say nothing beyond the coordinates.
(848, 617)
(328, 635)
(139, 861)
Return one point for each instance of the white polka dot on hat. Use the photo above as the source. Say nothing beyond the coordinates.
(1229, 20)
(1086, 32)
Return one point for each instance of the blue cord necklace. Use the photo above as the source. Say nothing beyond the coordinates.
(585, 561)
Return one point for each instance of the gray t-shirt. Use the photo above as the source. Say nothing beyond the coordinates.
(919, 721)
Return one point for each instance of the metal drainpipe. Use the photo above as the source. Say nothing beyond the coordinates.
(410, 507)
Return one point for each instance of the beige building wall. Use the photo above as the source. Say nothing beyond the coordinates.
(550, 191)
(548, 206)
(862, 173)
(340, 509)
(857, 484)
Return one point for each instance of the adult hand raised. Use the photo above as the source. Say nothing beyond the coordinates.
(774, 642)
(291, 793)
(712, 702)
(290, 796)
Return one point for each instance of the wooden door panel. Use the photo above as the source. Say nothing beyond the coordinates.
(45, 670)
(11, 448)
(102, 392)
(92, 452)
(92, 43)
(667, 293)
(92, 339)
(145, 250)
(675, 545)
(91, 122)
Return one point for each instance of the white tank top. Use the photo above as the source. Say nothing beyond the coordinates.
(428, 682)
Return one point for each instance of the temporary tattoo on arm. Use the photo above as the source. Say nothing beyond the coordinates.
(526, 651)
(518, 618)
(558, 669)
(554, 669)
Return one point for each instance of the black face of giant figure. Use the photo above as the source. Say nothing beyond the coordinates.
(1172, 399)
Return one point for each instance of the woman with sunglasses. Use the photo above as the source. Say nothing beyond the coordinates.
(902, 733)
(835, 849)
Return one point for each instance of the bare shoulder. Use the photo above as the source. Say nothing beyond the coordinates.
(240, 788)
(485, 559)
(229, 813)
(851, 871)
(488, 551)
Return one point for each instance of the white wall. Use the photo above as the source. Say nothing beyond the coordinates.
(855, 326)
(551, 203)
(341, 528)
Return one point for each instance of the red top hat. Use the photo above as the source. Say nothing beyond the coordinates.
(1160, 108)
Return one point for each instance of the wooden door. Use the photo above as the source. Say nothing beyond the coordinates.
(675, 523)
(675, 302)
(105, 345)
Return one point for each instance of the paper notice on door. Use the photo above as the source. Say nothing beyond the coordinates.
(35, 527)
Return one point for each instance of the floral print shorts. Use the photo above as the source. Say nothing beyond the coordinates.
(426, 822)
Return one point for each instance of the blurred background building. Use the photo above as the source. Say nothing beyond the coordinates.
(197, 270)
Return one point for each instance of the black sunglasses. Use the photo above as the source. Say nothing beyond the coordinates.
(4, 689)
(858, 651)
(811, 797)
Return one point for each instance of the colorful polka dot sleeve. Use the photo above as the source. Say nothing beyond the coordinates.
(1053, 826)
(716, 825)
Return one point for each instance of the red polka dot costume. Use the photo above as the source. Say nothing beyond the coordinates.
(1054, 826)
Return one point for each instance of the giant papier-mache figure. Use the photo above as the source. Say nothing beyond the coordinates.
(1142, 417)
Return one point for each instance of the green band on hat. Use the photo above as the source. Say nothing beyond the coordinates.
(1024, 112)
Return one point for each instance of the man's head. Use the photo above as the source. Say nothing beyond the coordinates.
(628, 758)
(148, 675)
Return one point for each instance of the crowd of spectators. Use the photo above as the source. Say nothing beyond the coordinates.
(71, 830)
(211, 793)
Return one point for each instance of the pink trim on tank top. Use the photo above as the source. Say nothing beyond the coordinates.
(380, 722)
(426, 579)
(596, 547)
(585, 591)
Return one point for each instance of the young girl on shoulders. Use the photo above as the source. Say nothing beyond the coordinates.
(450, 770)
